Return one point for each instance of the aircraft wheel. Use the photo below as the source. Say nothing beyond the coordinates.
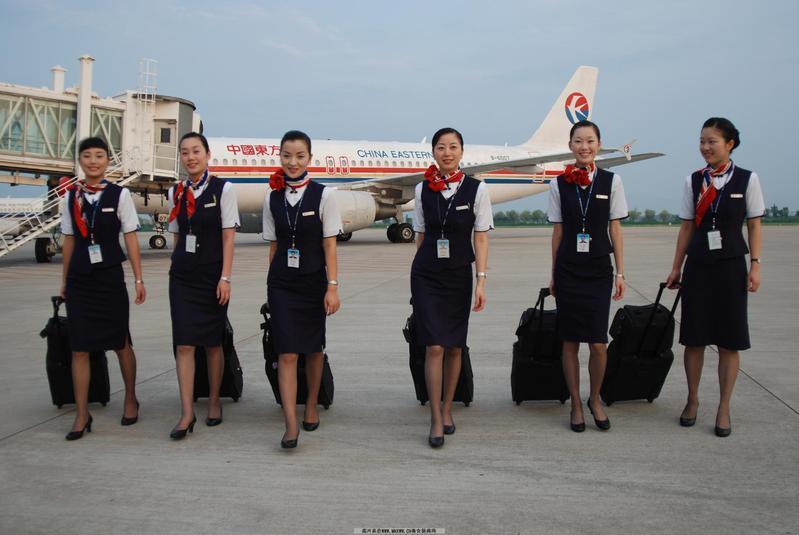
(405, 233)
(45, 250)
(393, 233)
(346, 236)
(157, 242)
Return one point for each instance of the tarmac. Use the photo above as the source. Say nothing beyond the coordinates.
(508, 469)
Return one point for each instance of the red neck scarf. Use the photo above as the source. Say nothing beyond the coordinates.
(186, 189)
(436, 182)
(277, 181)
(81, 188)
(708, 192)
(578, 175)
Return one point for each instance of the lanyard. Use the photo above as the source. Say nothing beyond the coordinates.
(95, 206)
(449, 205)
(584, 212)
(184, 199)
(714, 206)
(292, 228)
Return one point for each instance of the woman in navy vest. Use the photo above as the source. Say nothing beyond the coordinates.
(717, 199)
(584, 204)
(301, 221)
(203, 218)
(449, 207)
(94, 212)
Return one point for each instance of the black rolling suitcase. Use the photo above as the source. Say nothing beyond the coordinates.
(464, 392)
(59, 363)
(326, 389)
(640, 356)
(232, 376)
(537, 371)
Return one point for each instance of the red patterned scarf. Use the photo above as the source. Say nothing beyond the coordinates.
(436, 182)
(186, 189)
(578, 175)
(708, 192)
(80, 188)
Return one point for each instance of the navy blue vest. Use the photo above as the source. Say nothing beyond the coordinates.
(596, 222)
(308, 236)
(206, 224)
(458, 228)
(106, 232)
(730, 217)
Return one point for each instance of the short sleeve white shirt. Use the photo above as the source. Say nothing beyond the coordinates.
(126, 211)
(755, 204)
(618, 201)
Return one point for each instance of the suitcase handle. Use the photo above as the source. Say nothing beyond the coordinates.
(652, 315)
(543, 293)
(57, 301)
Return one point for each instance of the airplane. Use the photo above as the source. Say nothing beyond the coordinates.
(375, 180)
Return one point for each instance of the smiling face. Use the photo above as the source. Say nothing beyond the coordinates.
(448, 153)
(294, 157)
(714, 148)
(194, 157)
(584, 144)
(94, 163)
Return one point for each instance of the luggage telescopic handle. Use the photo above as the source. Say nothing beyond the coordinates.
(652, 316)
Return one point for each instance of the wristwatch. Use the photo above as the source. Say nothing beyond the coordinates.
(226, 279)
(333, 282)
(139, 281)
(754, 260)
(482, 274)
(620, 275)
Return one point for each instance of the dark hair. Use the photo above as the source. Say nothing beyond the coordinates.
(296, 135)
(94, 143)
(583, 124)
(444, 131)
(727, 129)
(198, 136)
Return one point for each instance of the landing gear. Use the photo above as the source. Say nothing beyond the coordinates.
(157, 242)
(400, 233)
(46, 248)
(344, 236)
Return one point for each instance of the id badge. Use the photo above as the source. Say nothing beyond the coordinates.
(583, 243)
(294, 258)
(191, 243)
(442, 246)
(714, 240)
(95, 254)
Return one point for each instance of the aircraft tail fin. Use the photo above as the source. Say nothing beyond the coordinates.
(574, 104)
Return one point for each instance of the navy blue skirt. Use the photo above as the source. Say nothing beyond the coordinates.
(442, 301)
(297, 306)
(197, 317)
(714, 303)
(97, 309)
(582, 295)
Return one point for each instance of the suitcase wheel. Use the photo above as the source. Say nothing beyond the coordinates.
(104, 403)
(466, 404)
(422, 403)
(608, 402)
(326, 406)
(518, 403)
(60, 406)
(235, 400)
(650, 400)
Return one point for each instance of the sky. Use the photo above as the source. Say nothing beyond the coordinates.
(399, 71)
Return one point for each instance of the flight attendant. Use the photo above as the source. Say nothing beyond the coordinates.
(586, 206)
(717, 199)
(203, 218)
(94, 212)
(301, 221)
(450, 209)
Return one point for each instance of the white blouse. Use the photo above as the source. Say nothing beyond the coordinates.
(618, 201)
(227, 204)
(483, 216)
(126, 212)
(329, 213)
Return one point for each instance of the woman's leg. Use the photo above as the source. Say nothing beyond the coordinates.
(452, 372)
(729, 361)
(81, 375)
(287, 379)
(596, 373)
(185, 367)
(313, 374)
(433, 371)
(127, 365)
(571, 371)
(693, 360)
(216, 368)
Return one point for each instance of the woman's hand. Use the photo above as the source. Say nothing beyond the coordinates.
(141, 293)
(673, 280)
(753, 282)
(620, 287)
(552, 287)
(223, 292)
(479, 295)
(332, 301)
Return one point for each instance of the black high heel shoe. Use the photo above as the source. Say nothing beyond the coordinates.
(577, 428)
(723, 431)
(310, 426)
(449, 429)
(435, 442)
(603, 425)
(288, 444)
(212, 422)
(133, 419)
(75, 435)
(180, 434)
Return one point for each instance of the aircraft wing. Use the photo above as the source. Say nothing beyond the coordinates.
(621, 160)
